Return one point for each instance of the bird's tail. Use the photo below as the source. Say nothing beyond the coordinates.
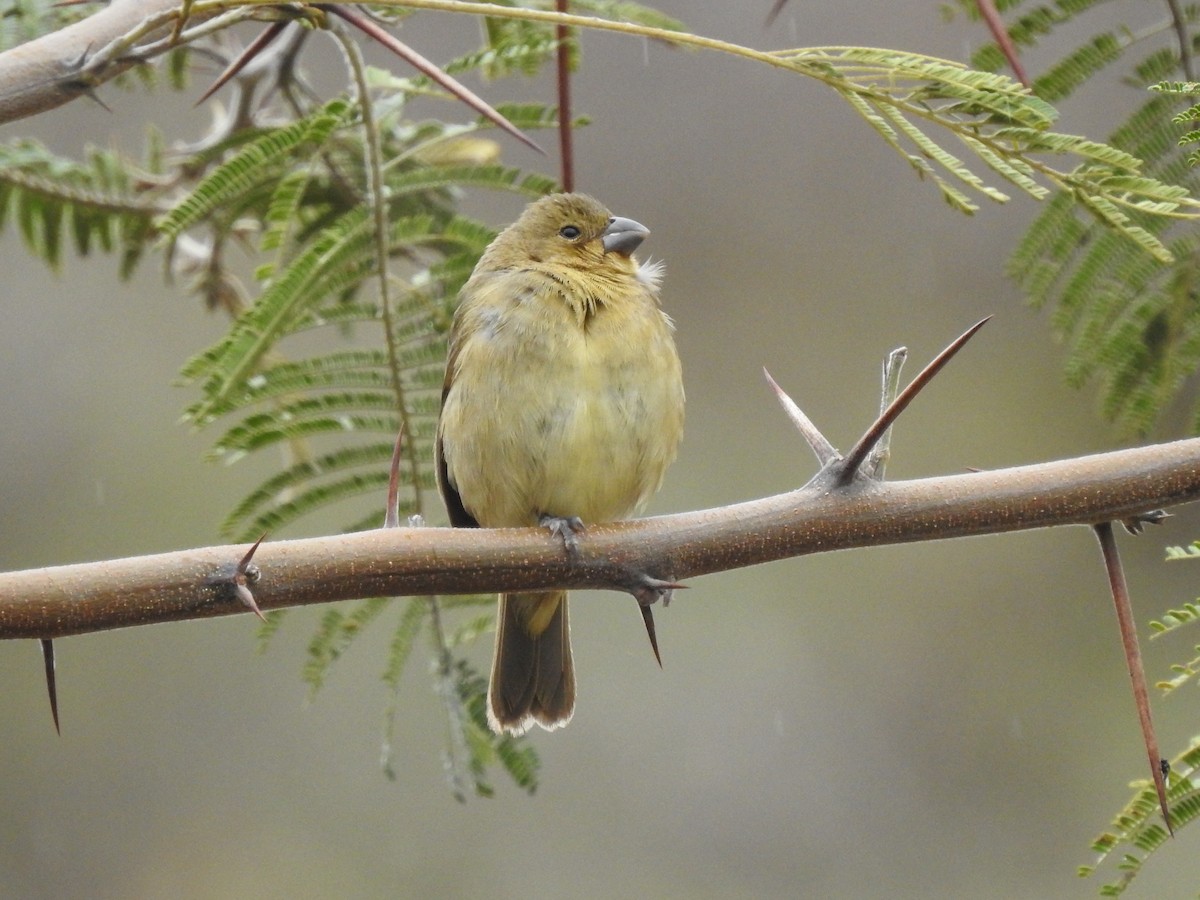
(533, 678)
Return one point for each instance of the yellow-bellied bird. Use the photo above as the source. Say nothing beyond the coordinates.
(563, 404)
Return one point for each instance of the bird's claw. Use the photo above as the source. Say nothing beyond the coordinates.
(567, 528)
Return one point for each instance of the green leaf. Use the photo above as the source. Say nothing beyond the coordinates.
(258, 163)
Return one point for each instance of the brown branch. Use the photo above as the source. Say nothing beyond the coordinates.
(69, 63)
(1183, 36)
(192, 584)
(566, 150)
(53, 69)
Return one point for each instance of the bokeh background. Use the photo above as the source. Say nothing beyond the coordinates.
(942, 720)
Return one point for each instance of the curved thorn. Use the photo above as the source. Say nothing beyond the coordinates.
(244, 566)
(858, 453)
(247, 598)
(51, 681)
(648, 619)
(252, 50)
(824, 450)
(246, 575)
(423, 65)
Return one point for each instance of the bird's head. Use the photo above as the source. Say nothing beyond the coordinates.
(575, 231)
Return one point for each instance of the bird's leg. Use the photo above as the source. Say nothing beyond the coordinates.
(565, 527)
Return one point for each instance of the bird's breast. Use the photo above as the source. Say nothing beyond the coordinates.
(563, 414)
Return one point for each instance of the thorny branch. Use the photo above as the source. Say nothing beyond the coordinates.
(170, 587)
(838, 509)
(844, 505)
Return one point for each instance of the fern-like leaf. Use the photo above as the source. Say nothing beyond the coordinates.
(1136, 833)
(257, 163)
(104, 203)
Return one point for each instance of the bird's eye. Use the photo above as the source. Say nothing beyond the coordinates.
(570, 232)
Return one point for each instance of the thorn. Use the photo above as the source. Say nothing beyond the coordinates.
(824, 450)
(1136, 524)
(51, 681)
(858, 453)
(648, 590)
(244, 58)
(391, 515)
(987, 9)
(1133, 662)
(648, 618)
(91, 94)
(83, 84)
(243, 576)
(421, 64)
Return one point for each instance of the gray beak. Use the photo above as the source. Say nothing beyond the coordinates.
(623, 235)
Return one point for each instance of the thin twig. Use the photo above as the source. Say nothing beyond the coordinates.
(565, 144)
(1184, 38)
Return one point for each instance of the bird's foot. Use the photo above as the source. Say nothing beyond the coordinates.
(565, 527)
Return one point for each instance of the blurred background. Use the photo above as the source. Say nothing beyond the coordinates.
(948, 719)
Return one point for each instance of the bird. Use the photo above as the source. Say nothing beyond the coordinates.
(562, 406)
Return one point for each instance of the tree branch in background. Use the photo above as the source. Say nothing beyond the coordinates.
(562, 61)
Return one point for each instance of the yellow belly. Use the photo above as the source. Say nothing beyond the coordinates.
(545, 417)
